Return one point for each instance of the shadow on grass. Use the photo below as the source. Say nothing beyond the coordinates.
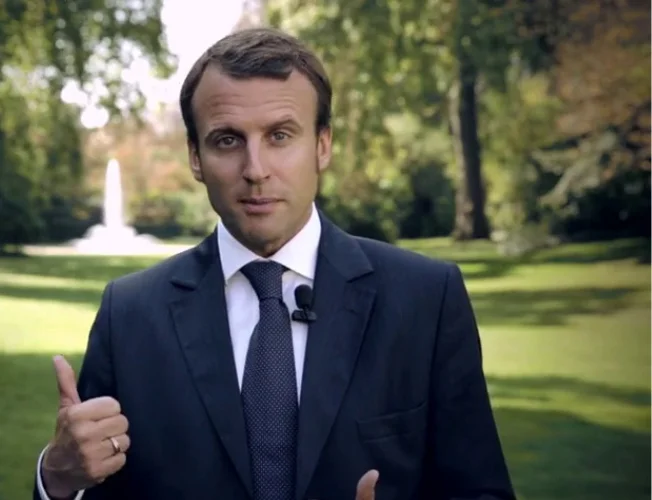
(80, 296)
(100, 268)
(478, 259)
(546, 307)
(525, 388)
(28, 407)
(28, 384)
(473, 269)
(481, 260)
(557, 454)
(551, 454)
(638, 249)
(499, 307)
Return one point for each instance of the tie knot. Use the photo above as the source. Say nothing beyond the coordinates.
(266, 278)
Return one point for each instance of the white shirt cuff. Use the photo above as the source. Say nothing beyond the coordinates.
(39, 480)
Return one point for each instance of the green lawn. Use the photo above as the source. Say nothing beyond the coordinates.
(566, 342)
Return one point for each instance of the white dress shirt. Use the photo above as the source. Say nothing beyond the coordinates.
(299, 256)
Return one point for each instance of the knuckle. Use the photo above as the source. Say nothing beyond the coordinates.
(90, 468)
(95, 473)
(105, 405)
(72, 413)
(127, 444)
(86, 450)
(113, 405)
(124, 423)
(81, 433)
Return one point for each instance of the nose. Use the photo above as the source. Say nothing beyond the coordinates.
(255, 169)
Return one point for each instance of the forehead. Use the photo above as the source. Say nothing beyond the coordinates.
(248, 102)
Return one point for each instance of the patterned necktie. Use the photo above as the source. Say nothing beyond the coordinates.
(269, 388)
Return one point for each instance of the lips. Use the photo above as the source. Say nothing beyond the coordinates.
(258, 201)
(259, 206)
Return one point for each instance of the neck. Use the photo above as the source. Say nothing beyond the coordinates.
(265, 248)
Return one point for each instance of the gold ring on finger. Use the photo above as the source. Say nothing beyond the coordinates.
(116, 445)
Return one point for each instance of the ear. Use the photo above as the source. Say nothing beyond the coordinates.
(195, 162)
(324, 148)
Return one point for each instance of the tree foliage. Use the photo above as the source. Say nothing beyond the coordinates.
(518, 94)
(421, 58)
(43, 46)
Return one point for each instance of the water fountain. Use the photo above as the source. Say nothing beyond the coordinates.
(114, 236)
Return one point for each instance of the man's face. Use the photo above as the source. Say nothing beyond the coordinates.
(259, 155)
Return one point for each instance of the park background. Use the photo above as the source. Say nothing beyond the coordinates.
(511, 137)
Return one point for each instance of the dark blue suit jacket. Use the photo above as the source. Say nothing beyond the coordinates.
(392, 381)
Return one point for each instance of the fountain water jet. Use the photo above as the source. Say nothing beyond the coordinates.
(113, 209)
(114, 236)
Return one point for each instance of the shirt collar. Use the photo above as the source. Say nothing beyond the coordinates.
(299, 254)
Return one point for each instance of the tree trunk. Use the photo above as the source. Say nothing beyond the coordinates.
(470, 218)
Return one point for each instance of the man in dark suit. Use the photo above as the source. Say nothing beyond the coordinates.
(198, 381)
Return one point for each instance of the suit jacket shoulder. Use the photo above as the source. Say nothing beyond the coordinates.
(185, 269)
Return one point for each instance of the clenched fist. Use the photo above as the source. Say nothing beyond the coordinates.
(90, 439)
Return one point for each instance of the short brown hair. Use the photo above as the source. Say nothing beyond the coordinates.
(258, 52)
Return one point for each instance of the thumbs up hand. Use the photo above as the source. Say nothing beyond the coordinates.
(90, 440)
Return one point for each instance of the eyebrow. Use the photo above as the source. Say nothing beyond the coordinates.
(285, 121)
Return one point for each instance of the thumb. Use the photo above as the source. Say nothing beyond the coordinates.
(66, 382)
(366, 489)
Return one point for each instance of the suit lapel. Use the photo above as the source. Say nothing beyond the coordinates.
(343, 307)
(202, 326)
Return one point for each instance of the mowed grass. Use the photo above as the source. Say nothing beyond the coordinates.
(566, 343)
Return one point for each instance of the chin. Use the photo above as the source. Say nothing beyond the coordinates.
(260, 235)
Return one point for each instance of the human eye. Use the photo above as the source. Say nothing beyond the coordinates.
(226, 142)
(280, 136)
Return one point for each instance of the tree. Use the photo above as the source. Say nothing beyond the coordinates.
(600, 73)
(43, 46)
(421, 57)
